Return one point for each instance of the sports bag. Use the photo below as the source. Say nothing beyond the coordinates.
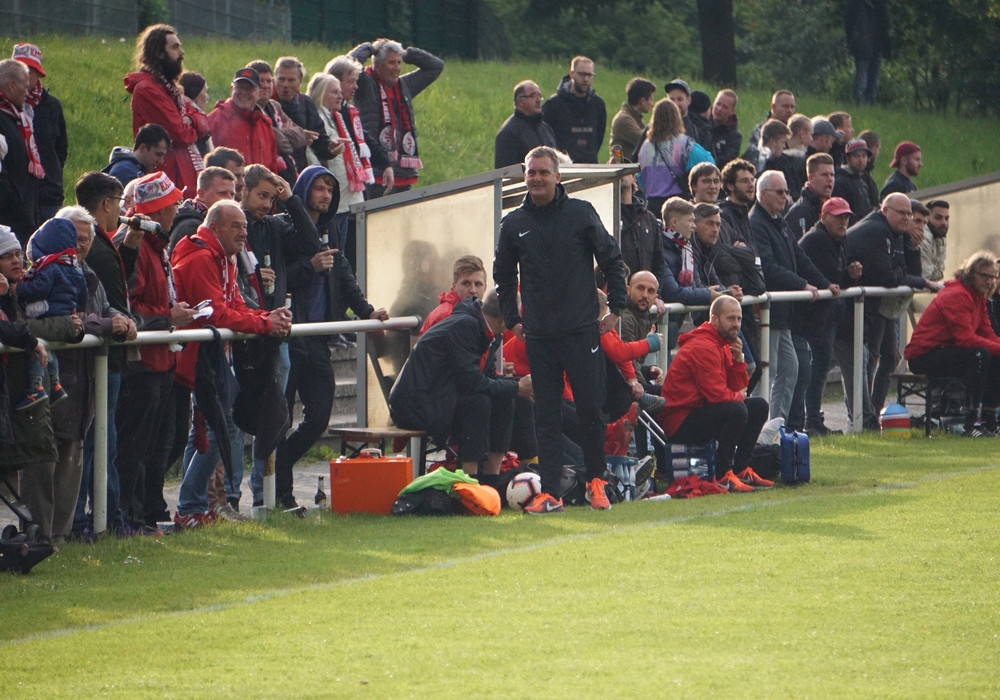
(794, 449)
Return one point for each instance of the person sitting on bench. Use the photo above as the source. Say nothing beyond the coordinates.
(954, 338)
(705, 389)
(449, 387)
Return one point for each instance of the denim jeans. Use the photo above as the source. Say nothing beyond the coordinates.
(200, 466)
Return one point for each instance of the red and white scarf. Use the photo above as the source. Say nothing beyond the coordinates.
(685, 276)
(359, 168)
(181, 103)
(398, 139)
(24, 117)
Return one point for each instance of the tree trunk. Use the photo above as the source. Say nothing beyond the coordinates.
(718, 42)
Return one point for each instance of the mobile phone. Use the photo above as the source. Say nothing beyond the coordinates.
(202, 304)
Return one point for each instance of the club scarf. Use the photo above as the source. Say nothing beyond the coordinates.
(399, 140)
(23, 117)
(359, 169)
(685, 276)
(193, 153)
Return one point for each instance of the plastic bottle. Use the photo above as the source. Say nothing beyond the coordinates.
(268, 284)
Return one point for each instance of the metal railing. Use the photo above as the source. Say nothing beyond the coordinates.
(100, 505)
(859, 294)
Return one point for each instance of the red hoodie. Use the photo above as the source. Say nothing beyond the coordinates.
(153, 104)
(703, 372)
(202, 270)
(956, 317)
(441, 311)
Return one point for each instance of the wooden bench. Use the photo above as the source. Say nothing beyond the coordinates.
(356, 439)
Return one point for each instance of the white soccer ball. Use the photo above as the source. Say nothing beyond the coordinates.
(522, 488)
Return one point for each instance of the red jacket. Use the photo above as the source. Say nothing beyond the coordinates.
(149, 296)
(956, 318)
(702, 373)
(441, 311)
(202, 270)
(247, 131)
(622, 353)
(152, 104)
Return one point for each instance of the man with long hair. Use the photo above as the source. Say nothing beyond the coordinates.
(156, 99)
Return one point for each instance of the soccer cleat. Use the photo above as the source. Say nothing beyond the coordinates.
(194, 520)
(749, 476)
(32, 399)
(543, 503)
(58, 394)
(596, 496)
(651, 403)
(732, 483)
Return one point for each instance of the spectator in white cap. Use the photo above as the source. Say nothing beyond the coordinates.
(145, 409)
(49, 128)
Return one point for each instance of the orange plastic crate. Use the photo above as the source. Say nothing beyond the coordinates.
(366, 485)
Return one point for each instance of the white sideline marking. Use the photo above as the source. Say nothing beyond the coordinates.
(280, 592)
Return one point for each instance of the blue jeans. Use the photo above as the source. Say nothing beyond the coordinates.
(200, 466)
(80, 517)
(257, 471)
(784, 372)
(866, 76)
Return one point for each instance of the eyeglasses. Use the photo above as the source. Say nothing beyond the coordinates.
(987, 275)
(905, 212)
(783, 193)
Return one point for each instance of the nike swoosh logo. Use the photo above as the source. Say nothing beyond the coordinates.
(593, 351)
(522, 235)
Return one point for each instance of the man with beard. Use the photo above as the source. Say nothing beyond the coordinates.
(819, 185)
(738, 179)
(576, 114)
(49, 128)
(384, 99)
(524, 129)
(932, 248)
(156, 99)
(907, 161)
(320, 290)
(706, 387)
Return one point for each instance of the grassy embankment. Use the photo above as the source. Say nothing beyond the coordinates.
(459, 114)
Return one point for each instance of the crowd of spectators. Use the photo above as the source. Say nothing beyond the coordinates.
(239, 217)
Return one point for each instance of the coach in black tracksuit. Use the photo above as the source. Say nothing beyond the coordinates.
(552, 240)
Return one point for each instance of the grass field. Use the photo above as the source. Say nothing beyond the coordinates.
(458, 116)
(876, 580)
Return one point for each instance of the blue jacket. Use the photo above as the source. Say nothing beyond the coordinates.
(55, 287)
(123, 165)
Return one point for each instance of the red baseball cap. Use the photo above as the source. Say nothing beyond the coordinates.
(836, 206)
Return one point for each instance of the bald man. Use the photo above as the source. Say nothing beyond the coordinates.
(706, 387)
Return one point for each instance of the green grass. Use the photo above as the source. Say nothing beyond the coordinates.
(458, 116)
(876, 580)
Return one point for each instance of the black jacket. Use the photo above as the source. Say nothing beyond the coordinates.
(444, 364)
(804, 214)
(303, 112)
(854, 188)
(553, 248)
(897, 182)
(726, 142)
(700, 129)
(49, 126)
(641, 242)
(18, 187)
(735, 223)
(786, 267)
(518, 135)
(189, 217)
(880, 251)
(290, 239)
(830, 258)
(578, 122)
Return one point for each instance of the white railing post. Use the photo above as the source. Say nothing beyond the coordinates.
(101, 439)
(860, 371)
